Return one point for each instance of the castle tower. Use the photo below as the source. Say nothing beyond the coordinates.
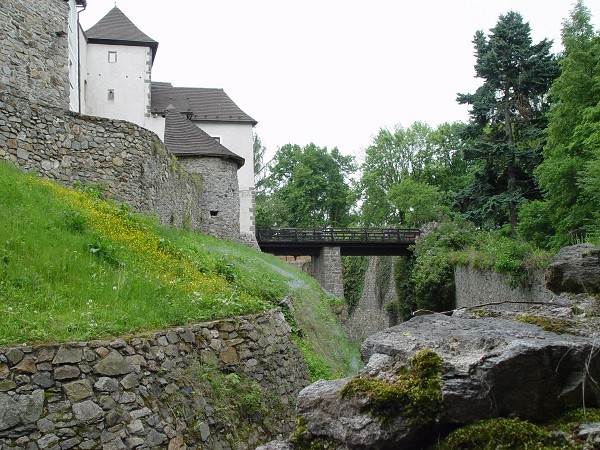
(117, 70)
(217, 167)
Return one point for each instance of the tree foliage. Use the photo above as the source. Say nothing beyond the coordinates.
(569, 173)
(307, 187)
(425, 155)
(417, 203)
(507, 120)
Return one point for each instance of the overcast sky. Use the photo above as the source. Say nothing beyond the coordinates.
(332, 72)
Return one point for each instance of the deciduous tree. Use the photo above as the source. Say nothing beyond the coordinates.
(309, 187)
(419, 152)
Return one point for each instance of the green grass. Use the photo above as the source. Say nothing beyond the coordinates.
(326, 348)
(76, 267)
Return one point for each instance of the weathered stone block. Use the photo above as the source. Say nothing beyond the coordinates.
(112, 364)
(68, 355)
(66, 372)
(78, 390)
(87, 411)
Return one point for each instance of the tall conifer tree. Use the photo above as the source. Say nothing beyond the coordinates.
(507, 120)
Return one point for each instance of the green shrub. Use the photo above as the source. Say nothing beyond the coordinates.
(534, 224)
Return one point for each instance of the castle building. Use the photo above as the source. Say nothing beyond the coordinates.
(110, 75)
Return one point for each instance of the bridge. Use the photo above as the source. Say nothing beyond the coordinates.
(326, 246)
(351, 241)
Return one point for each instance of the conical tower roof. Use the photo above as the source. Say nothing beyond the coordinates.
(183, 138)
(115, 28)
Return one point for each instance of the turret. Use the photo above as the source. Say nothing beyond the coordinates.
(118, 69)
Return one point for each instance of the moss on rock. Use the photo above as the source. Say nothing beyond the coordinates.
(500, 433)
(302, 440)
(415, 394)
(557, 326)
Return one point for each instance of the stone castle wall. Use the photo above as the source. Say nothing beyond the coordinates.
(129, 160)
(34, 50)
(119, 394)
(39, 135)
(475, 287)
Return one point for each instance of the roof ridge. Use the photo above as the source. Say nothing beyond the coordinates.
(117, 29)
(205, 104)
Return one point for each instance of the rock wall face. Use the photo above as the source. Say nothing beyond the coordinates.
(220, 201)
(129, 160)
(34, 50)
(119, 394)
(370, 314)
(476, 287)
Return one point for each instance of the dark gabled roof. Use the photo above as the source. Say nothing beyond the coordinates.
(183, 138)
(115, 28)
(201, 104)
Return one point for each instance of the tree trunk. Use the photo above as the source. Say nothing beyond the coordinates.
(510, 167)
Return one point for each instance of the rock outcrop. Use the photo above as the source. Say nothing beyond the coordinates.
(491, 368)
(576, 269)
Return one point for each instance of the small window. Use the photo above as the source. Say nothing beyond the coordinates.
(214, 213)
(112, 57)
(111, 94)
(217, 138)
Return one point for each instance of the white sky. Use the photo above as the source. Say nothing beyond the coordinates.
(332, 72)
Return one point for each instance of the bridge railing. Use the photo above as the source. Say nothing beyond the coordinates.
(337, 235)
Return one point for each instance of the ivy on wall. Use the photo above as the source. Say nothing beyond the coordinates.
(354, 270)
(383, 274)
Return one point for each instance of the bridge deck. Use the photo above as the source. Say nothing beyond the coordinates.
(352, 241)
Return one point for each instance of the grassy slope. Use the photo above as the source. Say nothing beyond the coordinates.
(76, 267)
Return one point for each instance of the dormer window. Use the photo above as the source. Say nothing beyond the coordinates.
(112, 57)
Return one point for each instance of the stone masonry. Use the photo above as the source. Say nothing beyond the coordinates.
(327, 270)
(220, 200)
(370, 315)
(33, 50)
(475, 287)
(117, 394)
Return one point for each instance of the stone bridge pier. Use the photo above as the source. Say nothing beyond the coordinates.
(327, 270)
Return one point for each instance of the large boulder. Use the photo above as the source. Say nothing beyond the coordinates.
(575, 269)
(491, 368)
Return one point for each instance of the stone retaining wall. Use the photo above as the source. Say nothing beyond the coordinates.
(129, 160)
(117, 394)
(475, 287)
